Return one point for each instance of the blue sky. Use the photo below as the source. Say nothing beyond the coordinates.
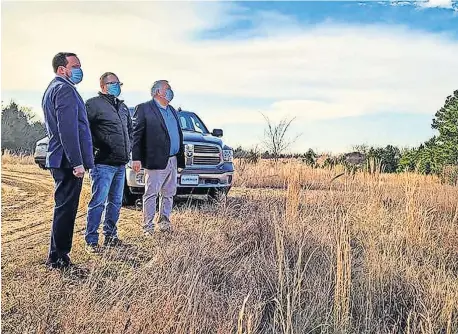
(350, 72)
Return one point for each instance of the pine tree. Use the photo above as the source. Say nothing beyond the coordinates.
(446, 122)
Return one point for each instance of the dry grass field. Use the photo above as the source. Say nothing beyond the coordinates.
(291, 250)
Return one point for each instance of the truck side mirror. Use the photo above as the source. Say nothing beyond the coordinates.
(217, 132)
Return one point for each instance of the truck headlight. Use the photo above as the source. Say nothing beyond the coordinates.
(189, 148)
(228, 155)
(140, 178)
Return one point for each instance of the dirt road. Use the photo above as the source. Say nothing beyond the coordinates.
(27, 202)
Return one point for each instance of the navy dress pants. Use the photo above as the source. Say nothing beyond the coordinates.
(67, 192)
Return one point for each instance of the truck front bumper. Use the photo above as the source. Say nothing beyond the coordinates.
(207, 179)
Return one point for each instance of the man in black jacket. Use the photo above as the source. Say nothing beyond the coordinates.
(158, 147)
(111, 129)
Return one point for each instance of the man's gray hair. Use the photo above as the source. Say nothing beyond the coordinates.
(157, 85)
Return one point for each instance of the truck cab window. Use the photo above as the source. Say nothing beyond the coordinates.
(197, 126)
(183, 124)
(190, 122)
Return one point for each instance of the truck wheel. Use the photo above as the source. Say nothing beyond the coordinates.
(127, 197)
(218, 194)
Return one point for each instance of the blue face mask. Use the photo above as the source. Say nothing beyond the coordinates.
(76, 76)
(169, 94)
(114, 89)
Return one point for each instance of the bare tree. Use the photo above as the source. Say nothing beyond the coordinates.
(275, 136)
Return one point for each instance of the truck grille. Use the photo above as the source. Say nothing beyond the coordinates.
(206, 155)
(205, 149)
(206, 160)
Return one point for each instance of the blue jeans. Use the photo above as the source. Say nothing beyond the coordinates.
(107, 190)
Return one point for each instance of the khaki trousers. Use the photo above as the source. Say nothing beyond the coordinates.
(159, 182)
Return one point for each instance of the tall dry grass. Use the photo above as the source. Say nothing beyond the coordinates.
(316, 254)
(16, 159)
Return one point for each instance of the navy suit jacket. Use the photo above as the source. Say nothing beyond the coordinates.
(70, 141)
(151, 140)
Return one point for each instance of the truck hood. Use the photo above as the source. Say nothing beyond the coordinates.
(44, 140)
(201, 138)
(187, 136)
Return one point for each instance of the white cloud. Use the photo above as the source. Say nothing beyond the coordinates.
(400, 3)
(423, 3)
(438, 3)
(315, 72)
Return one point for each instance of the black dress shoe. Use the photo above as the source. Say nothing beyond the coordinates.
(66, 259)
(60, 263)
(112, 242)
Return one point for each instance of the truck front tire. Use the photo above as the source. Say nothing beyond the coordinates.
(217, 194)
(127, 197)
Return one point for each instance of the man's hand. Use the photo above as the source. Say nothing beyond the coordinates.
(78, 171)
(136, 166)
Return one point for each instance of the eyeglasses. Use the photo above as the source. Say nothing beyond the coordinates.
(113, 83)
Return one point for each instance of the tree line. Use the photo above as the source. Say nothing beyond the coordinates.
(20, 129)
(438, 155)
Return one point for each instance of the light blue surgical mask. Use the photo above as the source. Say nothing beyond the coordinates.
(76, 75)
(169, 94)
(114, 89)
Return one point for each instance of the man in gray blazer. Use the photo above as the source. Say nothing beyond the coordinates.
(158, 148)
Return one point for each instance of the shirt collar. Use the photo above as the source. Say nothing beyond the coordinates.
(159, 105)
(65, 79)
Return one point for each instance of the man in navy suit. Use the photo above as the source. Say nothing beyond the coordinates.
(158, 148)
(70, 151)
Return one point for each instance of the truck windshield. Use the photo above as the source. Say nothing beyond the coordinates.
(190, 122)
